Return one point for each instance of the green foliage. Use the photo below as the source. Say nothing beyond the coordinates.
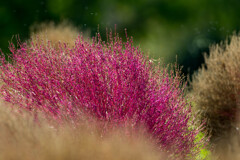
(204, 153)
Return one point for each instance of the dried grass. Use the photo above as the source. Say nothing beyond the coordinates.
(23, 139)
(228, 148)
(216, 89)
(64, 32)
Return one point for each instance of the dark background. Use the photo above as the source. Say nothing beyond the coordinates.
(163, 28)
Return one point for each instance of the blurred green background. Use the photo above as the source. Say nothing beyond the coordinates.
(163, 28)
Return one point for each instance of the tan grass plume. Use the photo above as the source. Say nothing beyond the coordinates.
(216, 89)
(23, 139)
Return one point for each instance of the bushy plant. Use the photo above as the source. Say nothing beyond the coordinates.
(63, 32)
(22, 139)
(111, 81)
(216, 89)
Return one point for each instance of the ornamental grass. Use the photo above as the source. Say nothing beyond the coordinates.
(216, 89)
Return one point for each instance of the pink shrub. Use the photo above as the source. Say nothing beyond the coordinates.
(113, 81)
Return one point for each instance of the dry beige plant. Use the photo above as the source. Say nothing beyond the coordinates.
(216, 89)
(228, 148)
(23, 139)
(64, 32)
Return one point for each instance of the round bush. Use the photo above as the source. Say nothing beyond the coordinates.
(111, 81)
(216, 89)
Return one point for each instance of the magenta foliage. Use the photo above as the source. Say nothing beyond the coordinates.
(113, 81)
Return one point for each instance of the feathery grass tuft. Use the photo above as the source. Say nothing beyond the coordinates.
(22, 139)
(216, 89)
